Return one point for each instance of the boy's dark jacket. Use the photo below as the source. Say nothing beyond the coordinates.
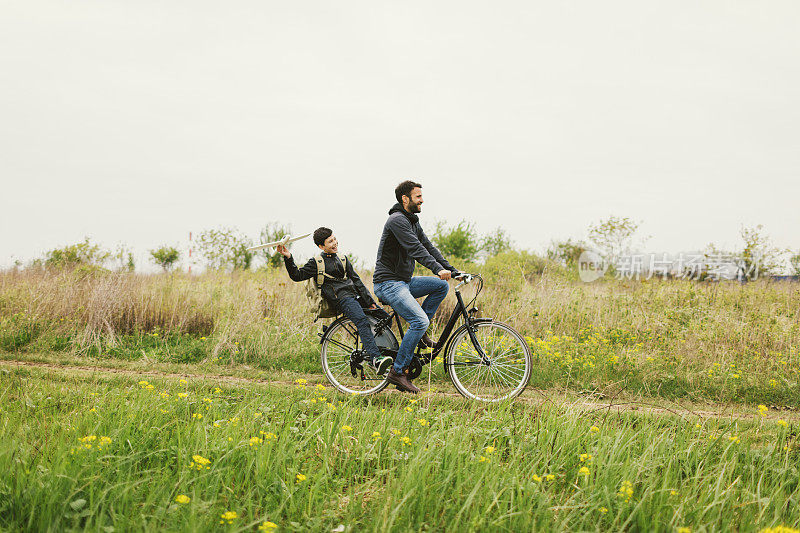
(402, 243)
(332, 289)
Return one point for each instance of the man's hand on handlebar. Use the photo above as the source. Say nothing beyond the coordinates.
(444, 274)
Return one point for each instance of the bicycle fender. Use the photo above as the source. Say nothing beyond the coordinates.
(326, 329)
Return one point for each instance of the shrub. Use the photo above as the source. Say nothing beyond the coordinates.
(225, 248)
(566, 252)
(272, 232)
(165, 256)
(459, 241)
(82, 253)
(496, 242)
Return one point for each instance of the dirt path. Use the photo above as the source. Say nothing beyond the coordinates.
(531, 396)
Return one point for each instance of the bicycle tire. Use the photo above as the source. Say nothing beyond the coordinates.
(339, 342)
(505, 379)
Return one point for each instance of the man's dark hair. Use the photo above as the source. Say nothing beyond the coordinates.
(404, 189)
(320, 234)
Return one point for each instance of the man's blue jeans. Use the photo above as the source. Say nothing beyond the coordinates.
(402, 297)
(352, 310)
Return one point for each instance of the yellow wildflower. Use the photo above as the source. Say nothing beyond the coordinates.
(301, 478)
(182, 395)
(229, 517)
(489, 450)
(584, 471)
(183, 382)
(594, 429)
(268, 526)
(762, 409)
(603, 510)
(550, 477)
(376, 436)
(783, 423)
(484, 459)
(586, 458)
(626, 490)
(199, 462)
(536, 478)
(320, 386)
(255, 441)
(182, 498)
(422, 422)
(197, 416)
(347, 428)
(301, 381)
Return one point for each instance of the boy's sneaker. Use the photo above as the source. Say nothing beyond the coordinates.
(381, 364)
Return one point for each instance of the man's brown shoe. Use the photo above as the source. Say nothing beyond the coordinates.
(427, 342)
(401, 380)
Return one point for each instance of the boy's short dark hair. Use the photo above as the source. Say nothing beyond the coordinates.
(320, 234)
(404, 189)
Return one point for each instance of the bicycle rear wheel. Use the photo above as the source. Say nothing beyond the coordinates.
(506, 374)
(342, 361)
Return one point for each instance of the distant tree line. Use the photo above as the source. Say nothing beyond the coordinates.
(226, 248)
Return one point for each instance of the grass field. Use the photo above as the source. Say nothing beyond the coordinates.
(117, 453)
(721, 342)
(115, 437)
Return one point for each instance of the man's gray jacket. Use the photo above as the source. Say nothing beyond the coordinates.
(402, 243)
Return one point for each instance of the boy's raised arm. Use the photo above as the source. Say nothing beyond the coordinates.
(308, 271)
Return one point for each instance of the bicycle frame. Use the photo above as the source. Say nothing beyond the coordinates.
(460, 311)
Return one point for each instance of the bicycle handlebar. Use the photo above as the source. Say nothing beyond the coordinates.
(464, 278)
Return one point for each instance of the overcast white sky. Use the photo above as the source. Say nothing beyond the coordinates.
(136, 122)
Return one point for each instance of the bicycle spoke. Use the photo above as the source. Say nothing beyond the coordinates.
(509, 364)
(340, 346)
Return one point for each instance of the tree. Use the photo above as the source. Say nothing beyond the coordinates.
(272, 232)
(165, 256)
(225, 248)
(82, 253)
(496, 242)
(794, 261)
(758, 255)
(613, 237)
(566, 252)
(124, 258)
(459, 241)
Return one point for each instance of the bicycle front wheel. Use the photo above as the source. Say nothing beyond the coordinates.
(342, 359)
(502, 375)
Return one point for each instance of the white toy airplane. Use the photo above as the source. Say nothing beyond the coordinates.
(286, 240)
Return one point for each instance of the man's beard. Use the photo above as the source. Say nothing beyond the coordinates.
(414, 208)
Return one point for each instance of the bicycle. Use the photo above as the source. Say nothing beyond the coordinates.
(486, 360)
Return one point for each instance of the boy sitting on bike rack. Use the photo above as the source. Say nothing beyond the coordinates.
(343, 289)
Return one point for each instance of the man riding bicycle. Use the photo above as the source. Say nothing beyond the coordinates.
(404, 243)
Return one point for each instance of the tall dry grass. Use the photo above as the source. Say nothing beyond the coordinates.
(685, 331)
